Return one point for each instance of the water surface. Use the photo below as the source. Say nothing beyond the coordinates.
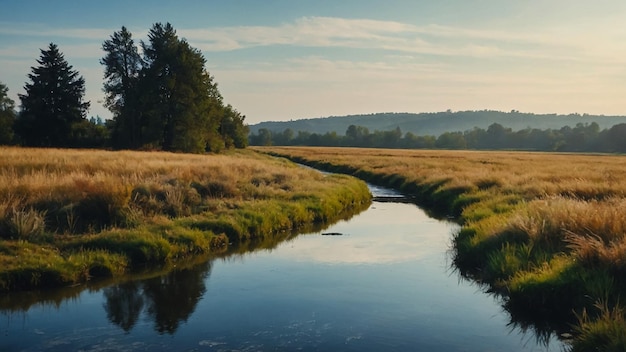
(382, 282)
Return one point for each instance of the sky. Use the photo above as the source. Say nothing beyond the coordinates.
(278, 60)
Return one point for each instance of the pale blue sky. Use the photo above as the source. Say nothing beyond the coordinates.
(290, 59)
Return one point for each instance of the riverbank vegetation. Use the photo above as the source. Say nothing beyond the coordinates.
(69, 215)
(544, 231)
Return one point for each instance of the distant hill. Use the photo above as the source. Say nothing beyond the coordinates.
(437, 123)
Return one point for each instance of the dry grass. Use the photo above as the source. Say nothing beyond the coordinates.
(530, 175)
(85, 191)
(29, 176)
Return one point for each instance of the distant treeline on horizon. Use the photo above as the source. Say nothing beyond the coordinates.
(436, 123)
(583, 137)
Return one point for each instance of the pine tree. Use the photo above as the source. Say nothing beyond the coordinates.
(184, 101)
(53, 104)
(123, 65)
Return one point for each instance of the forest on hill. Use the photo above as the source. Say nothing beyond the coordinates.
(584, 137)
(435, 124)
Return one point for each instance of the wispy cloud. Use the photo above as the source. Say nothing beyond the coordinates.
(425, 67)
(430, 39)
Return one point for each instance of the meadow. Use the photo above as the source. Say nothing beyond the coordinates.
(545, 232)
(68, 216)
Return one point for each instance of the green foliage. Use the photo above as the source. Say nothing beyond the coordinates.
(122, 65)
(50, 115)
(88, 134)
(7, 116)
(603, 330)
(437, 123)
(43, 266)
(584, 137)
(166, 99)
(139, 246)
(232, 128)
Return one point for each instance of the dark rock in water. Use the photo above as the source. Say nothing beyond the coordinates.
(393, 199)
(332, 234)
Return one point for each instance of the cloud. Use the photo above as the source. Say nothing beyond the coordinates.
(306, 31)
(539, 42)
(381, 65)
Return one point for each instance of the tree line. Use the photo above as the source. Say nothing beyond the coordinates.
(584, 137)
(161, 99)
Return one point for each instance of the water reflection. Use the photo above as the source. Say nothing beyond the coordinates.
(124, 303)
(536, 321)
(391, 241)
(23, 301)
(167, 300)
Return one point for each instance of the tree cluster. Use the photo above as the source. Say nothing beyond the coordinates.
(165, 99)
(581, 138)
(161, 99)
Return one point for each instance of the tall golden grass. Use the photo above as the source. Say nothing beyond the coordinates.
(67, 215)
(547, 230)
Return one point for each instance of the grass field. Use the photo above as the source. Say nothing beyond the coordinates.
(69, 215)
(545, 231)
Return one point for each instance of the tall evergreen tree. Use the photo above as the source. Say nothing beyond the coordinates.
(166, 99)
(53, 104)
(184, 99)
(7, 116)
(122, 68)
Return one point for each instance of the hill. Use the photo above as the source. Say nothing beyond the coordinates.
(435, 124)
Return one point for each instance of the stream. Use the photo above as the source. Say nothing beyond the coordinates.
(380, 281)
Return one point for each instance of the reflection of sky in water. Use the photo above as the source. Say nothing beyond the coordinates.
(407, 234)
(385, 285)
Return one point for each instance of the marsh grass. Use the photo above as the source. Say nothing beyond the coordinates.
(602, 330)
(545, 230)
(69, 215)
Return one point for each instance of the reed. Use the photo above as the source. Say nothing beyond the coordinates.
(606, 331)
(69, 215)
(542, 229)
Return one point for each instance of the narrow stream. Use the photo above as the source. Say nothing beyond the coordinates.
(380, 281)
